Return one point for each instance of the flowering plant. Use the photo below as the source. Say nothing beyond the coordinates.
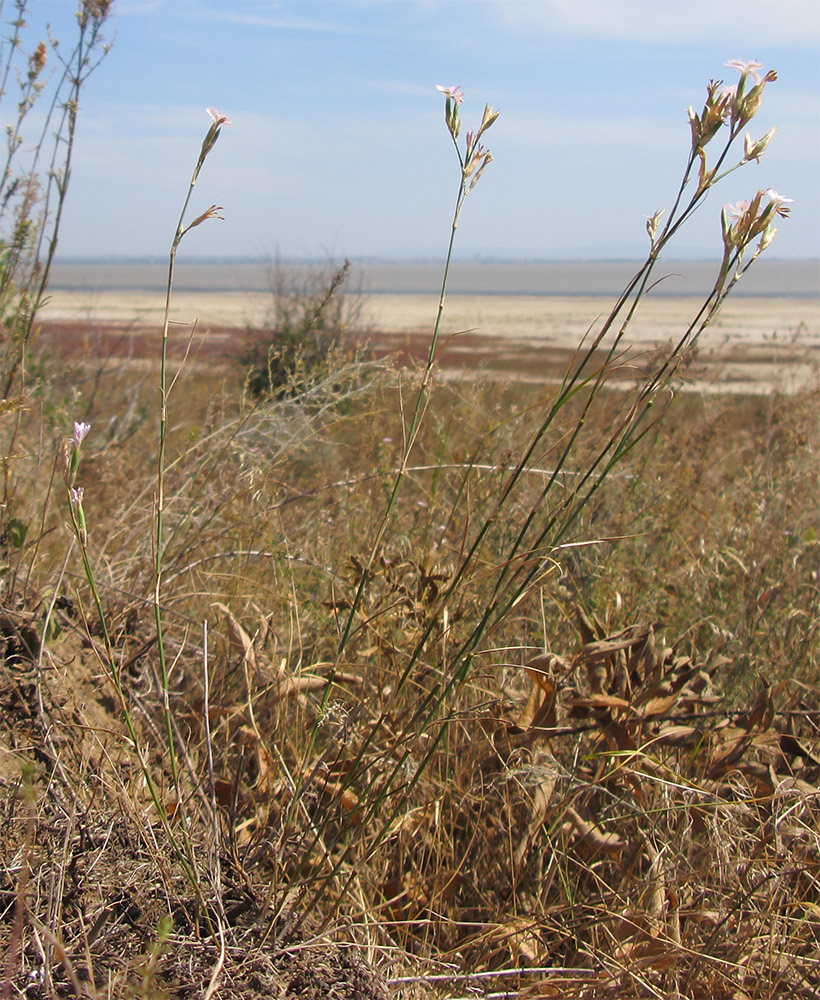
(475, 157)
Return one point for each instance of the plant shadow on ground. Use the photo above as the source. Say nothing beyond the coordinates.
(625, 786)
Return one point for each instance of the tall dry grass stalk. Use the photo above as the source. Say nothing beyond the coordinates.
(35, 174)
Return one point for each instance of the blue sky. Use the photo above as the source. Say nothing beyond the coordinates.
(339, 145)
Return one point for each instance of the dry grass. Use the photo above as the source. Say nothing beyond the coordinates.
(622, 785)
(340, 683)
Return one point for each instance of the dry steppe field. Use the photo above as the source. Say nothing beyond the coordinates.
(401, 647)
(583, 762)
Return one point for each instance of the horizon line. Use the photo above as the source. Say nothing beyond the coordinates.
(391, 259)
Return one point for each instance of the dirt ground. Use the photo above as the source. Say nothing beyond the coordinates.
(755, 343)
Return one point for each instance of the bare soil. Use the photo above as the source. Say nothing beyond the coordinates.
(734, 367)
(753, 345)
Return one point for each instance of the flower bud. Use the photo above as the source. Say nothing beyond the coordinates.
(769, 234)
(705, 177)
(652, 225)
(75, 496)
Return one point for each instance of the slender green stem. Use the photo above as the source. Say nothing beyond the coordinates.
(181, 230)
(185, 851)
(525, 559)
(160, 508)
(412, 433)
(410, 438)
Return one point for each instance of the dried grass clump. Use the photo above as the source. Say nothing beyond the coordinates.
(603, 816)
(607, 807)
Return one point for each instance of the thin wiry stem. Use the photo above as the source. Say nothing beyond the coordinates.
(181, 230)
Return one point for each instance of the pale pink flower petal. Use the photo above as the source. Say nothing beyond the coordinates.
(455, 93)
(746, 68)
(218, 118)
(771, 193)
(80, 431)
(736, 211)
(743, 67)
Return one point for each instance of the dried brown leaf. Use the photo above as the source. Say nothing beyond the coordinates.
(679, 736)
(599, 701)
(413, 820)
(237, 636)
(657, 706)
(346, 797)
(540, 711)
(592, 836)
(520, 938)
(540, 806)
(593, 652)
(265, 764)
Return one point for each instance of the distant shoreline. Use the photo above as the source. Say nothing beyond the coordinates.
(681, 279)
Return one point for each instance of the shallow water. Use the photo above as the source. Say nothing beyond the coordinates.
(790, 279)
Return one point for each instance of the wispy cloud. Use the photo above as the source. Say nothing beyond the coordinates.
(752, 22)
(287, 16)
(278, 22)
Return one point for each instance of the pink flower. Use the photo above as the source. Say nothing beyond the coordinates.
(218, 118)
(745, 221)
(80, 431)
(746, 68)
(779, 205)
(76, 495)
(737, 211)
(453, 93)
(771, 193)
